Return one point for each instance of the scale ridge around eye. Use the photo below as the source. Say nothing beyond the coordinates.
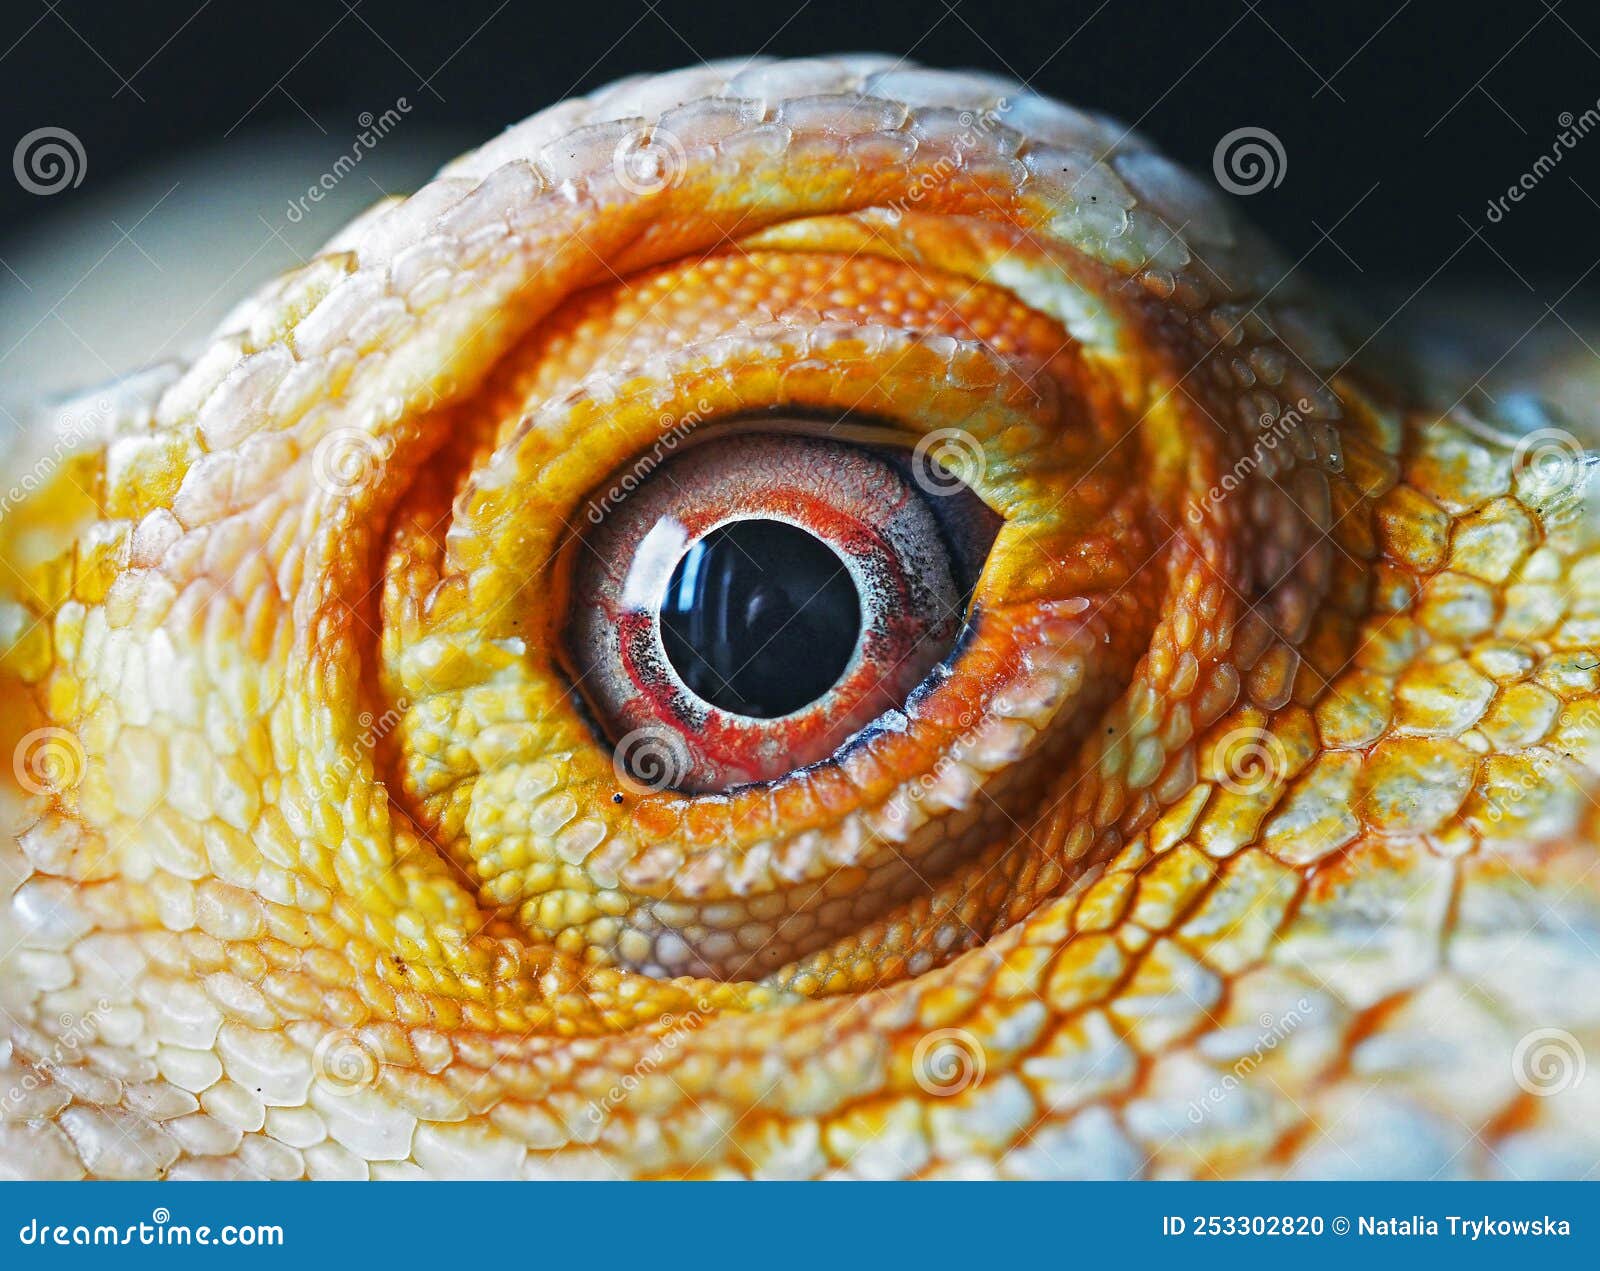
(763, 596)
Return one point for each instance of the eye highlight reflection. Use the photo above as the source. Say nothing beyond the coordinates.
(765, 595)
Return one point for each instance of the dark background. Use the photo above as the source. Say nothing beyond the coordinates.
(1400, 120)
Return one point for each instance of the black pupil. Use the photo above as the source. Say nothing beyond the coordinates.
(760, 618)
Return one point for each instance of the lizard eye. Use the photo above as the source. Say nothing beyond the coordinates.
(757, 600)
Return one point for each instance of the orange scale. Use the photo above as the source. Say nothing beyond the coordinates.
(657, 817)
(795, 803)
(604, 330)
(829, 788)
(708, 821)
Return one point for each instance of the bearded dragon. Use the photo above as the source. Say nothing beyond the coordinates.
(1248, 827)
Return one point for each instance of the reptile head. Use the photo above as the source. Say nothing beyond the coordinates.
(794, 619)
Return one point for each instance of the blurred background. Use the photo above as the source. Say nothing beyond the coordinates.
(163, 154)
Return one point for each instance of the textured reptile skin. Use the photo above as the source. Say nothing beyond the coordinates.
(1251, 830)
